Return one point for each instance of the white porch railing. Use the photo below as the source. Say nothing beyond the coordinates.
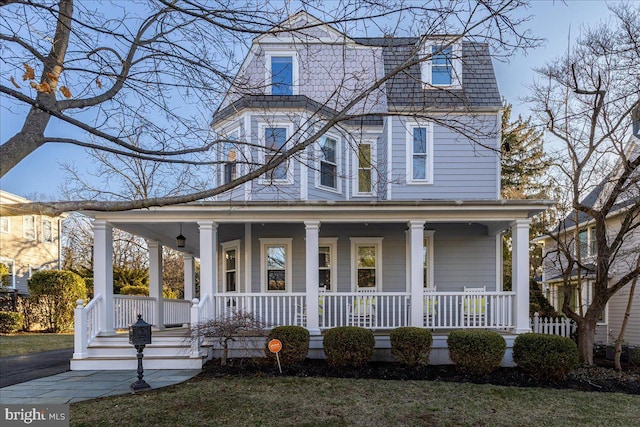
(374, 310)
(271, 308)
(464, 310)
(127, 307)
(86, 325)
(562, 326)
(176, 311)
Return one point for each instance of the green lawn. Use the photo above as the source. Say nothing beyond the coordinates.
(13, 345)
(268, 401)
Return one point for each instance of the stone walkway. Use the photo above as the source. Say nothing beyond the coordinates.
(75, 386)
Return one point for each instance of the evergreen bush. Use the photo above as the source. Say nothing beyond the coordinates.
(477, 352)
(348, 346)
(56, 292)
(295, 344)
(10, 322)
(410, 345)
(545, 356)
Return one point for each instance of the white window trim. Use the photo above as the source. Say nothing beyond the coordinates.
(374, 167)
(318, 175)
(24, 228)
(5, 220)
(456, 62)
(411, 125)
(12, 270)
(361, 241)
(264, 243)
(34, 269)
(268, 54)
(332, 242)
(42, 229)
(262, 155)
(226, 246)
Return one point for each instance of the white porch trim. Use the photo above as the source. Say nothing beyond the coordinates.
(312, 229)
(520, 273)
(155, 282)
(189, 277)
(103, 273)
(416, 263)
(208, 258)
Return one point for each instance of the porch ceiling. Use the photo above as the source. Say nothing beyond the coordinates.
(163, 223)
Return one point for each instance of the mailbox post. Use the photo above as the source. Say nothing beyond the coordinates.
(139, 336)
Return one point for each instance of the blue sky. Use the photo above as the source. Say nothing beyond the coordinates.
(41, 174)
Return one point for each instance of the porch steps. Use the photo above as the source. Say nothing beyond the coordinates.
(169, 350)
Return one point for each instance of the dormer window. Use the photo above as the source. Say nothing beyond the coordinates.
(230, 157)
(443, 67)
(282, 73)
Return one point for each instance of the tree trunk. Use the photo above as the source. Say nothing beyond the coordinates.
(586, 336)
(25, 142)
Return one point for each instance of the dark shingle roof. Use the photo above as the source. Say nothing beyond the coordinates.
(479, 85)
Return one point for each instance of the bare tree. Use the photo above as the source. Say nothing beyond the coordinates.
(152, 72)
(586, 101)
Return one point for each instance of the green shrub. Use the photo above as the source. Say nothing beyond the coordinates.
(348, 346)
(5, 276)
(410, 345)
(477, 352)
(56, 292)
(545, 356)
(295, 344)
(10, 321)
(134, 290)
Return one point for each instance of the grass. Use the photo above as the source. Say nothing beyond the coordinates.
(25, 343)
(299, 401)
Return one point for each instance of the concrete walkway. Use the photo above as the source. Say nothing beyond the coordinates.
(75, 386)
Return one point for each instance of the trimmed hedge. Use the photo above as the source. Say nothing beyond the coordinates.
(545, 356)
(10, 322)
(348, 346)
(410, 345)
(477, 352)
(295, 344)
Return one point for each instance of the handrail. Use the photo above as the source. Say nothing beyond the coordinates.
(199, 312)
(86, 325)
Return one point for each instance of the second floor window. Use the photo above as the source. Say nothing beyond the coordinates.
(329, 163)
(442, 66)
(587, 242)
(4, 224)
(47, 231)
(275, 142)
(364, 169)
(281, 75)
(419, 154)
(230, 153)
(29, 224)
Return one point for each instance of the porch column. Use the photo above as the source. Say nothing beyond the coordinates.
(312, 229)
(103, 273)
(520, 273)
(189, 277)
(208, 256)
(155, 283)
(416, 266)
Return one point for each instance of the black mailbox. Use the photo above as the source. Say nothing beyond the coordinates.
(140, 332)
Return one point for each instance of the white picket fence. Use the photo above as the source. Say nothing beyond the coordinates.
(561, 326)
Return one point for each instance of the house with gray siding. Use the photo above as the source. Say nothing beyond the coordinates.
(376, 201)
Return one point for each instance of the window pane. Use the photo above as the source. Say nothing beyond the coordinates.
(367, 278)
(30, 227)
(441, 56)
(420, 140)
(583, 240)
(276, 257)
(364, 155)
(328, 174)
(419, 167)
(276, 280)
(324, 277)
(47, 231)
(366, 256)
(441, 75)
(231, 281)
(364, 181)
(4, 224)
(275, 138)
(281, 75)
(329, 150)
(425, 264)
(229, 172)
(325, 257)
(230, 259)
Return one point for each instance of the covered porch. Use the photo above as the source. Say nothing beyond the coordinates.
(320, 265)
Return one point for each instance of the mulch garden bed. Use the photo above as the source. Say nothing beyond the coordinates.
(602, 378)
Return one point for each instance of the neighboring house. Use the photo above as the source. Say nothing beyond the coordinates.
(608, 327)
(388, 219)
(28, 243)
